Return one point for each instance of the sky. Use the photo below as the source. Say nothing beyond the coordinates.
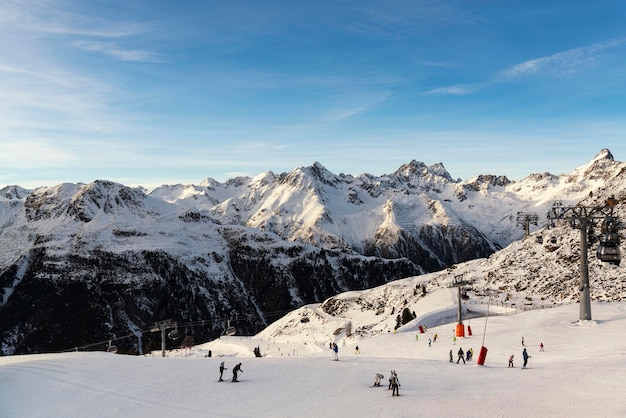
(297, 378)
(154, 92)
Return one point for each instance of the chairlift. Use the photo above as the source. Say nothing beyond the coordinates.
(111, 348)
(229, 330)
(173, 334)
(608, 250)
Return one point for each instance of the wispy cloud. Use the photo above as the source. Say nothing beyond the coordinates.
(114, 51)
(454, 90)
(562, 62)
(56, 18)
(565, 62)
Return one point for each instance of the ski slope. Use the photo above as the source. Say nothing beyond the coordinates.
(580, 373)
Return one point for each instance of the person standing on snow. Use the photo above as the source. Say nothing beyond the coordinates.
(335, 352)
(236, 369)
(222, 368)
(460, 353)
(395, 384)
(451, 359)
(540, 346)
(511, 361)
(526, 357)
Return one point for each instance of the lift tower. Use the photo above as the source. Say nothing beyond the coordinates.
(582, 217)
(524, 219)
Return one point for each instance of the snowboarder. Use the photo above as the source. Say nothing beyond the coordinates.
(335, 352)
(451, 359)
(395, 384)
(222, 368)
(377, 378)
(526, 357)
(236, 369)
(511, 361)
(460, 353)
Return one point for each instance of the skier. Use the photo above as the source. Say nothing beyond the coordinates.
(435, 338)
(222, 368)
(526, 357)
(511, 361)
(378, 377)
(395, 384)
(429, 341)
(451, 359)
(236, 369)
(335, 352)
(460, 353)
(540, 346)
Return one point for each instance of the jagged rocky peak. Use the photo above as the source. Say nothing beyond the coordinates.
(309, 177)
(485, 181)
(598, 166)
(49, 202)
(264, 179)
(14, 192)
(417, 169)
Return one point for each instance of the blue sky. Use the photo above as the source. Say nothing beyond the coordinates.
(160, 92)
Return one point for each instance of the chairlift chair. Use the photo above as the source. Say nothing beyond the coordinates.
(608, 250)
(111, 348)
(229, 330)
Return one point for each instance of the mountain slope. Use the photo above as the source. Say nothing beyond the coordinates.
(87, 262)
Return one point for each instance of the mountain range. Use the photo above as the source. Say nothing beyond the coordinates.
(82, 263)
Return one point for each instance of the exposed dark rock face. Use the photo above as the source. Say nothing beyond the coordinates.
(85, 263)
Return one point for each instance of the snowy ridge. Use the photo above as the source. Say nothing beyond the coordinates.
(252, 246)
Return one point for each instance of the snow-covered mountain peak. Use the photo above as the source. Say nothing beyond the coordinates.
(602, 166)
(418, 170)
(14, 192)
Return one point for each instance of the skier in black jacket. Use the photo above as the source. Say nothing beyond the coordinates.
(236, 369)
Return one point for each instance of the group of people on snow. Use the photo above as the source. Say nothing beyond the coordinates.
(525, 355)
(236, 371)
(394, 382)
